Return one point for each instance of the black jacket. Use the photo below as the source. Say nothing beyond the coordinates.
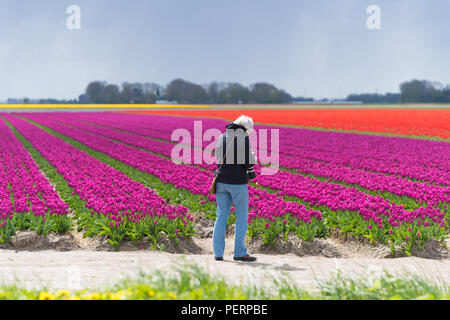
(239, 158)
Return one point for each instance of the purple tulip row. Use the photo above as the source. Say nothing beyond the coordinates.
(155, 146)
(339, 197)
(196, 180)
(23, 188)
(104, 189)
(335, 197)
(431, 194)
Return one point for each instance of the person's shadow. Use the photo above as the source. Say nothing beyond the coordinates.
(283, 267)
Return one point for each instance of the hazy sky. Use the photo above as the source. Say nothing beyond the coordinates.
(307, 47)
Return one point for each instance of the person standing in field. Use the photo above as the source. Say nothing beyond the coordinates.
(235, 162)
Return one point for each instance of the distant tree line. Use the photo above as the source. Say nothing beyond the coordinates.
(414, 91)
(185, 92)
(424, 91)
(41, 101)
(375, 97)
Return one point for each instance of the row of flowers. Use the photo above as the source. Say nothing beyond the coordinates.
(119, 207)
(27, 200)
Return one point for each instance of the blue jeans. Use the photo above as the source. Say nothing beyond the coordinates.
(226, 194)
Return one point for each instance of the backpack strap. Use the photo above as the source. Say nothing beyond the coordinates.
(226, 151)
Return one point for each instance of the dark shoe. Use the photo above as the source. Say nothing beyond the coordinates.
(246, 258)
(218, 258)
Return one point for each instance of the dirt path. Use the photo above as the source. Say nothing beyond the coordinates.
(91, 269)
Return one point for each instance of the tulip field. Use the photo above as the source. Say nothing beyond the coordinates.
(111, 174)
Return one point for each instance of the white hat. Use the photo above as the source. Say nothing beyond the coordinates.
(246, 122)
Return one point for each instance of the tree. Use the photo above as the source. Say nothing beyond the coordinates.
(132, 93)
(95, 91)
(185, 92)
(267, 93)
(234, 93)
(153, 88)
(213, 92)
(83, 98)
(416, 91)
(111, 94)
(375, 97)
(446, 93)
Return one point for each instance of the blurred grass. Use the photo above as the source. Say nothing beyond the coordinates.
(190, 282)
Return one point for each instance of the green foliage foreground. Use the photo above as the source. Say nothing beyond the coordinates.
(190, 282)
